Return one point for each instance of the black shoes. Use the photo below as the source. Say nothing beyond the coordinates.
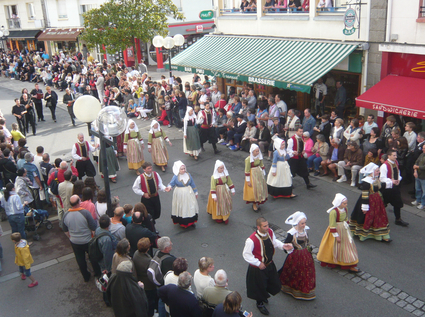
(400, 222)
(310, 185)
(262, 308)
(216, 151)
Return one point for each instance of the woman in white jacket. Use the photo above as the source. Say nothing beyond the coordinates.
(353, 132)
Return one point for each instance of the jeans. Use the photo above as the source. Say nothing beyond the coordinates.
(17, 224)
(316, 160)
(420, 190)
(25, 271)
(161, 309)
(182, 114)
(80, 251)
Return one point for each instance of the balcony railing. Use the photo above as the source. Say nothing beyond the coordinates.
(237, 11)
(284, 10)
(331, 10)
(14, 23)
(422, 12)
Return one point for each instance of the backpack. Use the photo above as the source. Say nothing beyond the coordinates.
(54, 185)
(95, 254)
(154, 270)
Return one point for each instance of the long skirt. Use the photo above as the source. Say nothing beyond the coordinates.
(298, 275)
(135, 157)
(159, 152)
(112, 162)
(261, 283)
(372, 225)
(332, 253)
(120, 144)
(220, 209)
(192, 144)
(257, 193)
(153, 206)
(281, 184)
(185, 207)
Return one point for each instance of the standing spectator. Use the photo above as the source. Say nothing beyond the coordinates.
(135, 231)
(8, 168)
(121, 255)
(292, 123)
(116, 227)
(419, 174)
(389, 126)
(14, 208)
(182, 302)
(23, 258)
(100, 86)
(230, 307)
(353, 160)
(283, 108)
(368, 125)
(65, 190)
(324, 128)
(262, 137)
(201, 278)
(340, 99)
(34, 176)
(308, 122)
(87, 203)
(411, 137)
(320, 92)
(68, 100)
(19, 112)
(79, 226)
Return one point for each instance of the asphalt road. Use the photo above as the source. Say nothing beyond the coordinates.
(62, 291)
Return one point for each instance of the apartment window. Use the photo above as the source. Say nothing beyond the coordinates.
(231, 4)
(62, 13)
(11, 12)
(422, 9)
(83, 9)
(31, 11)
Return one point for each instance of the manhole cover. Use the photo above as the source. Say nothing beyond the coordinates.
(204, 245)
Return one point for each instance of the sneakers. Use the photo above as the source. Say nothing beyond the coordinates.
(414, 203)
(221, 141)
(33, 284)
(342, 179)
(353, 184)
(23, 277)
(420, 206)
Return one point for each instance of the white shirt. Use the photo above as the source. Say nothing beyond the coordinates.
(411, 139)
(282, 107)
(138, 189)
(75, 156)
(249, 247)
(384, 178)
(320, 88)
(201, 282)
(290, 148)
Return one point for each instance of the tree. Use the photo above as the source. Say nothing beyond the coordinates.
(116, 24)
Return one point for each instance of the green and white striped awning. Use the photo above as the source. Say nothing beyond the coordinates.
(287, 64)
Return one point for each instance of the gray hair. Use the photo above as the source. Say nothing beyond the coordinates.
(220, 278)
(185, 280)
(163, 243)
(29, 157)
(125, 266)
(63, 165)
(320, 137)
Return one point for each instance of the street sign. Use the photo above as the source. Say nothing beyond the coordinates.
(206, 14)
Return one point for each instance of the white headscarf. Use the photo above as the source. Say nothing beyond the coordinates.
(252, 158)
(367, 170)
(216, 174)
(187, 117)
(128, 130)
(294, 220)
(152, 130)
(176, 171)
(277, 144)
(339, 198)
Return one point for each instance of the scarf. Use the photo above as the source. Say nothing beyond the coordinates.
(153, 130)
(216, 174)
(128, 129)
(339, 198)
(277, 144)
(252, 158)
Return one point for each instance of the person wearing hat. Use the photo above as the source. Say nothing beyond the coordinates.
(369, 218)
(298, 275)
(337, 247)
(219, 200)
(185, 205)
(279, 180)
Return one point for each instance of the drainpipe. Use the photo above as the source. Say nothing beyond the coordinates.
(389, 18)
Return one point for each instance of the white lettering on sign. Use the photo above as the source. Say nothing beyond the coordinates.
(402, 112)
(228, 76)
(187, 69)
(261, 81)
(199, 71)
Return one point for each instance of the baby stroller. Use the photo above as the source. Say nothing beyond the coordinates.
(34, 219)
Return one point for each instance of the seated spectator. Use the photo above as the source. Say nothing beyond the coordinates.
(235, 136)
(220, 121)
(230, 307)
(324, 128)
(353, 160)
(221, 103)
(181, 301)
(337, 130)
(308, 145)
(250, 115)
(335, 154)
(371, 157)
(373, 141)
(132, 109)
(320, 152)
(121, 255)
(262, 137)
(353, 132)
(214, 295)
(250, 132)
(162, 119)
(201, 278)
(117, 228)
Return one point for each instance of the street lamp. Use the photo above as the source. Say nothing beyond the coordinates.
(3, 34)
(111, 122)
(169, 43)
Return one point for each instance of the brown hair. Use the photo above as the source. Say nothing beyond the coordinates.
(143, 245)
(204, 263)
(127, 208)
(232, 303)
(140, 207)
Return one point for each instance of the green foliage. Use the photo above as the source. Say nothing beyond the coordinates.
(117, 23)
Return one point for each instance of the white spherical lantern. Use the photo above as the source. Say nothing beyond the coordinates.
(112, 121)
(178, 39)
(6, 32)
(86, 108)
(168, 42)
(158, 41)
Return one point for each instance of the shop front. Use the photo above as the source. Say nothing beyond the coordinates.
(401, 89)
(23, 39)
(273, 66)
(56, 40)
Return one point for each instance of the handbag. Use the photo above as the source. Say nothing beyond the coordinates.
(48, 104)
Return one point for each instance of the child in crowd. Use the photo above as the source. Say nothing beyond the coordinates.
(16, 134)
(23, 258)
(131, 109)
(128, 213)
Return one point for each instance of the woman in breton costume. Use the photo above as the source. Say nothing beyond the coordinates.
(133, 146)
(255, 187)
(279, 180)
(219, 200)
(369, 218)
(112, 161)
(156, 145)
(298, 275)
(337, 247)
(192, 142)
(185, 205)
